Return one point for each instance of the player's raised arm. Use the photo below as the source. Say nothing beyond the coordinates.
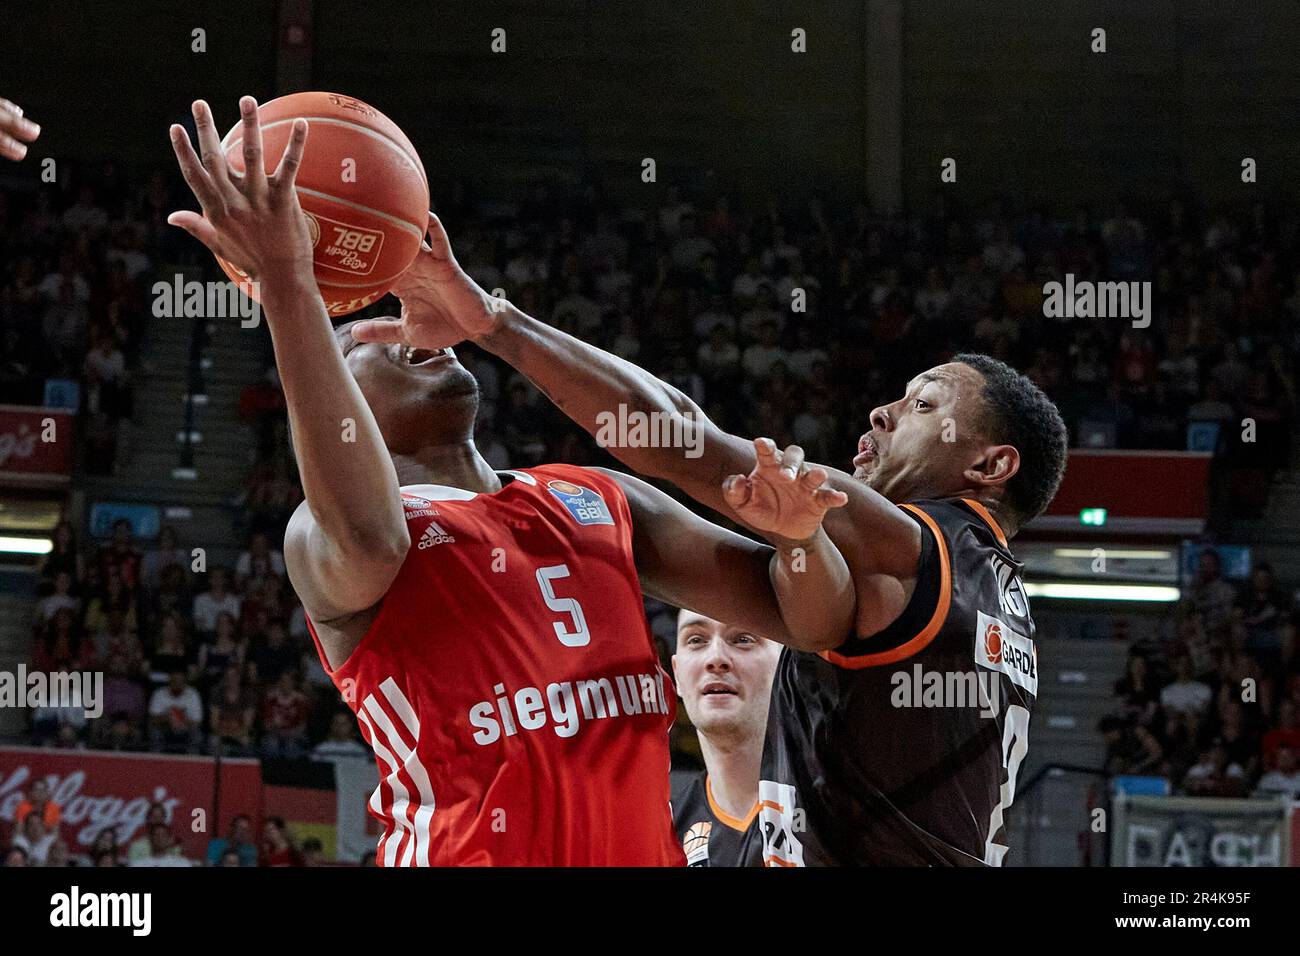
(347, 541)
(798, 593)
(442, 305)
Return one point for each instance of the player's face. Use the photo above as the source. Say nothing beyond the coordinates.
(411, 392)
(724, 674)
(921, 445)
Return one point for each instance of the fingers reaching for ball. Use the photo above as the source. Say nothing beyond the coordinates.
(16, 131)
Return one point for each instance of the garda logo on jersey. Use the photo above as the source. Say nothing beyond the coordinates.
(999, 648)
(586, 506)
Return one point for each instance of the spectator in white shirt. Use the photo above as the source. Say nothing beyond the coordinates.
(342, 740)
(163, 849)
(746, 285)
(34, 839)
(62, 597)
(1283, 779)
(762, 355)
(175, 715)
(105, 364)
(1186, 695)
(216, 601)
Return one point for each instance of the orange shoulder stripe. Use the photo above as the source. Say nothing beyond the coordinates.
(983, 512)
(930, 630)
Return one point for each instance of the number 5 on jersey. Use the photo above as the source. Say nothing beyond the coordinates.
(579, 636)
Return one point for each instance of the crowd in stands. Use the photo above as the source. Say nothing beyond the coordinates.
(212, 662)
(795, 322)
(37, 840)
(76, 262)
(1215, 706)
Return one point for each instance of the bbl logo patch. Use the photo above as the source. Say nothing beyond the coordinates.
(586, 506)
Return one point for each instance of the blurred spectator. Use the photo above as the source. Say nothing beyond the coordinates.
(163, 849)
(1283, 779)
(140, 846)
(284, 718)
(342, 740)
(214, 601)
(239, 841)
(35, 839)
(1185, 694)
(37, 800)
(312, 852)
(1213, 775)
(277, 845)
(175, 716)
(231, 715)
(167, 553)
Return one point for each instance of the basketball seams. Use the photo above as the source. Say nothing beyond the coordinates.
(396, 220)
(237, 132)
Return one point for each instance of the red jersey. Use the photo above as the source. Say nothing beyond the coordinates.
(509, 685)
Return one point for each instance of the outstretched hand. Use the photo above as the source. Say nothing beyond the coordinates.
(441, 304)
(15, 131)
(782, 496)
(251, 220)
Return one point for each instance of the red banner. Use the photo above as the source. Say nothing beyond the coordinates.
(98, 791)
(35, 445)
(1137, 484)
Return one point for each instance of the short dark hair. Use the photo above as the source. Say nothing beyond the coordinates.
(1017, 413)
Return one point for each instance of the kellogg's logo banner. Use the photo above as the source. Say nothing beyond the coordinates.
(99, 791)
(35, 445)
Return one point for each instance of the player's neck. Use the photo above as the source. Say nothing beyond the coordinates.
(733, 766)
(456, 465)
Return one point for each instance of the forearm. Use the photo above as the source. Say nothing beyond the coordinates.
(342, 459)
(814, 592)
(589, 385)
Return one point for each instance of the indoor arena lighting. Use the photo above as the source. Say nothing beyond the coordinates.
(1069, 590)
(1121, 553)
(12, 545)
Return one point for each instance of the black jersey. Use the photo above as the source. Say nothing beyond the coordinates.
(903, 748)
(710, 836)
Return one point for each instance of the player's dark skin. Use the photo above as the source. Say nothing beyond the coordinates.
(930, 443)
(366, 419)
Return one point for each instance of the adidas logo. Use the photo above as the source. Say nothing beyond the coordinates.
(434, 535)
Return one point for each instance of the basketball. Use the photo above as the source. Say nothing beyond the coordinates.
(362, 186)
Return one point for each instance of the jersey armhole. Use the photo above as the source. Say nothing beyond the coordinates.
(922, 619)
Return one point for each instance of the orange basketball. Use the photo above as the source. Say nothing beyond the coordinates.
(362, 186)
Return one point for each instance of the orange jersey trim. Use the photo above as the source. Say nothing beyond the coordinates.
(931, 629)
(723, 816)
(983, 512)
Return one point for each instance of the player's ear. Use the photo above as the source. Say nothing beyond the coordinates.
(997, 465)
(673, 660)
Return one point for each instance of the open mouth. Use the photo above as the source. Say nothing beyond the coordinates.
(413, 356)
(867, 451)
(718, 689)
